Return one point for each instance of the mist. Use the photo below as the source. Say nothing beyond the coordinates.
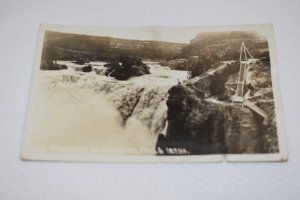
(75, 118)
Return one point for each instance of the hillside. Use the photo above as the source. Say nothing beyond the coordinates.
(66, 46)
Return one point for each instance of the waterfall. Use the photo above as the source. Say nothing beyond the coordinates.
(139, 98)
(144, 102)
(86, 108)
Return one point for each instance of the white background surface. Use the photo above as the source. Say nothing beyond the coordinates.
(19, 23)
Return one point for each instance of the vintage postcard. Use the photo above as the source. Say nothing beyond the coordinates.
(155, 94)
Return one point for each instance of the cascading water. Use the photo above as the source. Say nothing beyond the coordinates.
(139, 100)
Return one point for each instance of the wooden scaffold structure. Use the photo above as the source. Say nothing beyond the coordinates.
(245, 59)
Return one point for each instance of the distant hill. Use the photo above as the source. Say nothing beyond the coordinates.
(225, 44)
(66, 46)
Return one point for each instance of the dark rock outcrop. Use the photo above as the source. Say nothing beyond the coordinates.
(128, 68)
(193, 123)
(87, 68)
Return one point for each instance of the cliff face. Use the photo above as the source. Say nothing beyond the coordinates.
(201, 124)
(204, 126)
(193, 123)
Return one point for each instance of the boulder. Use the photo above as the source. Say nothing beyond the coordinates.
(87, 68)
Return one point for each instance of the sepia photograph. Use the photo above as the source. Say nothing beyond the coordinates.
(155, 94)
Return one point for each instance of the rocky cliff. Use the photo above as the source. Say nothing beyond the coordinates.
(201, 124)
